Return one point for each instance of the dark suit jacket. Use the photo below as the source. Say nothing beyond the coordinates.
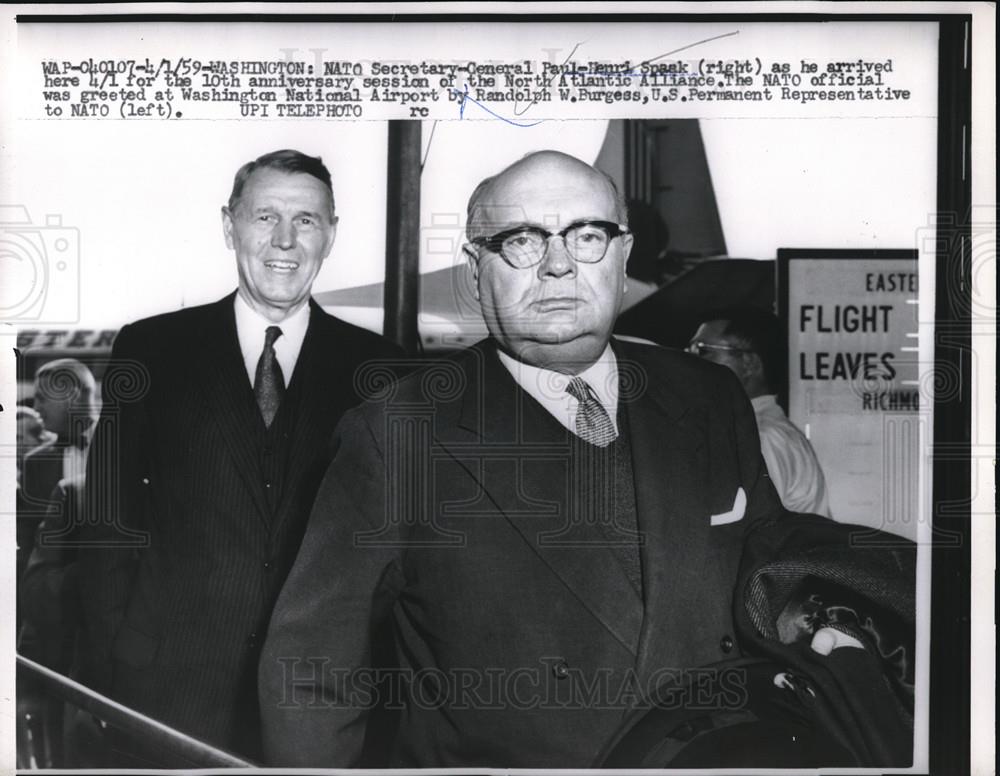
(188, 557)
(40, 474)
(49, 589)
(41, 471)
(445, 512)
(851, 708)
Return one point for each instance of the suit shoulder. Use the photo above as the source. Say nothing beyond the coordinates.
(361, 339)
(441, 381)
(676, 362)
(686, 374)
(42, 453)
(441, 378)
(170, 324)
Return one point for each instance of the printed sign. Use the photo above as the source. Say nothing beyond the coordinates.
(853, 378)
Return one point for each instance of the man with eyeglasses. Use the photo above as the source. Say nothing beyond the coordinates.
(748, 341)
(550, 524)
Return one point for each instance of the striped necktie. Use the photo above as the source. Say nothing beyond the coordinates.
(593, 424)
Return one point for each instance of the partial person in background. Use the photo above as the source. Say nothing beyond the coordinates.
(49, 596)
(749, 342)
(214, 439)
(66, 402)
(31, 434)
(49, 588)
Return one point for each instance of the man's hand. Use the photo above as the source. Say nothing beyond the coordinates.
(828, 639)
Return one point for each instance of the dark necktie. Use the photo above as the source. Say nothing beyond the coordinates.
(593, 424)
(269, 382)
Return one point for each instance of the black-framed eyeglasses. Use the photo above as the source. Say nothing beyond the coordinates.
(700, 348)
(525, 246)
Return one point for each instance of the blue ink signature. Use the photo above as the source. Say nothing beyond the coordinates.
(629, 73)
(546, 83)
(465, 98)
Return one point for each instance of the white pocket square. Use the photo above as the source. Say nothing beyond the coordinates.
(734, 514)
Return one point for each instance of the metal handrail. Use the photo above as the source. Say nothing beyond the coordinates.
(129, 720)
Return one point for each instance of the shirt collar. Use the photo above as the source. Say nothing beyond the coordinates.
(79, 439)
(768, 401)
(548, 387)
(293, 327)
(250, 330)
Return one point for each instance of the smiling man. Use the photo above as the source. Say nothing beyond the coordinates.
(206, 461)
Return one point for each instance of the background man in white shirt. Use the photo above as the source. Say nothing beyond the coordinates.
(749, 342)
(66, 401)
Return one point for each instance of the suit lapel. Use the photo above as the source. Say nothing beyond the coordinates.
(525, 470)
(669, 438)
(229, 396)
(316, 390)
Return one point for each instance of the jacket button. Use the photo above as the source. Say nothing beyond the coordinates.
(267, 565)
(561, 669)
(726, 645)
(252, 640)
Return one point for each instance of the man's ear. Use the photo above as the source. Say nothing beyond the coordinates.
(227, 226)
(753, 367)
(472, 257)
(331, 238)
(627, 241)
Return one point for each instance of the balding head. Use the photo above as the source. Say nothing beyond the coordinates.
(490, 194)
(552, 306)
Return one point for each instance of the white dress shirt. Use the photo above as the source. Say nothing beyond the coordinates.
(791, 460)
(549, 388)
(74, 462)
(251, 327)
